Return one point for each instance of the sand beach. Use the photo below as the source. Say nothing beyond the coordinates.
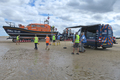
(22, 62)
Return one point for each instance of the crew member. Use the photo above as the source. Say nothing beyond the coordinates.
(53, 28)
(83, 41)
(58, 39)
(36, 42)
(76, 43)
(54, 39)
(47, 42)
(17, 39)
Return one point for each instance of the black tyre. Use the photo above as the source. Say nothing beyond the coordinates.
(104, 47)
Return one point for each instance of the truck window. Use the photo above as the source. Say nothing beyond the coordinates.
(90, 34)
(109, 33)
(104, 33)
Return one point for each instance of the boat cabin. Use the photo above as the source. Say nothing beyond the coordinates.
(37, 27)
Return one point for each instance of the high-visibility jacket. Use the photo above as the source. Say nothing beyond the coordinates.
(35, 39)
(17, 38)
(77, 39)
(53, 38)
(47, 39)
(53, 27)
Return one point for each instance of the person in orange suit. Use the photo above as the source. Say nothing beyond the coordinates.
(47, 42)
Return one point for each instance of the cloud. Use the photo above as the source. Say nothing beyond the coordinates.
(63, 13)
(2, 1)
(67, 18)
(116, 29)
(117, 17)
(94, 6)
(97, 17)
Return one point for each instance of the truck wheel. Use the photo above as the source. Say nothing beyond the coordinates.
(104, 47)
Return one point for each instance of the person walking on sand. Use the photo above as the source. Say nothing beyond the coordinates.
(58, 39)
(36, 42)
(47, 42)
(53, 39)
(76, 43)
(83, 41)
(73, 38)
(17, 39)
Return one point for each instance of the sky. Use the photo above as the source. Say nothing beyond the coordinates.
(62, 13)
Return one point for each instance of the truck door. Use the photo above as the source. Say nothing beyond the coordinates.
(110, 36)
(104, 35)
(107, 38)
(90, 36)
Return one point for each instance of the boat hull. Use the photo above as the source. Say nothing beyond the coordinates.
(15, 31)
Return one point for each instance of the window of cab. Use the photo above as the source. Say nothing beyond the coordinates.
(42, 25)
(38, 25)
(33, 25)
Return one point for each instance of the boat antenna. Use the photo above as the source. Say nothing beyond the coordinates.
(47, 20)
(11, 24)
(40, 21)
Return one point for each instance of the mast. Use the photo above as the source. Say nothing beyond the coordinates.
(47, 20)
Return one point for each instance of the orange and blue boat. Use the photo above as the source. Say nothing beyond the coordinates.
(29, 31)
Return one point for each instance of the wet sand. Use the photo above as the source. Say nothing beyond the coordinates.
(22, 62)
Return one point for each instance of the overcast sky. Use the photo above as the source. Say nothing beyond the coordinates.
(63, 13)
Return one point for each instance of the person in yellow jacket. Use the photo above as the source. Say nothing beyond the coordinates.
(36, 41)
(53, 28)
(76, 43)
(17, 39)
(53, 38)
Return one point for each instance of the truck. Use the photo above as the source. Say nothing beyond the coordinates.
(98, 35)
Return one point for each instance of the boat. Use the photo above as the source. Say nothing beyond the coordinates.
(29, 31)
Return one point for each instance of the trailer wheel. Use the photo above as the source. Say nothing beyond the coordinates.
(104, 47)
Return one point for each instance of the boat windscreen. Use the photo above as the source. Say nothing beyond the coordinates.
(28, 25)
(42, 25)
(38, 25)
